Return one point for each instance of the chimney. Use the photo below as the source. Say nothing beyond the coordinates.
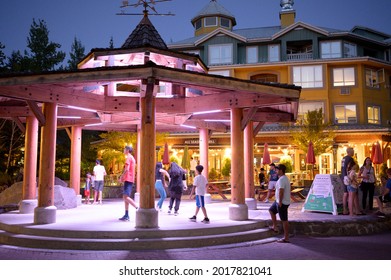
(287, 13)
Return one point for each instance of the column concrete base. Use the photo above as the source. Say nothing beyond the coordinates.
(207, 198)
(78, 200)
(147, 218)
(238, 212)
(45, 215)
(27, 206)
(251, 203)
(137, 198)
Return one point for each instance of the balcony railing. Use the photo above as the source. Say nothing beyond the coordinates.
(299, 56)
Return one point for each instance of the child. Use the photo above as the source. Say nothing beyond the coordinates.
(200, 184)
(354, 206)
(87, 188)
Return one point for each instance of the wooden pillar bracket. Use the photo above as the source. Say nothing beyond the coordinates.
(37, 112)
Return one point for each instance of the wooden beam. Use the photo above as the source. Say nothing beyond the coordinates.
(258, 128)
(248, 116)
(19, 124)
(15, 111)
(216, 126)
(68, 131)
(37, 112)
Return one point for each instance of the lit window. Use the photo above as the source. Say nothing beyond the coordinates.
(308, 76)
(252, 54)
(304, 107)
(210, 21)
(274, 53)
(343, 77)
(373, 114)
(345, 114)
(220, 54)
(331, 49)
(372, 78)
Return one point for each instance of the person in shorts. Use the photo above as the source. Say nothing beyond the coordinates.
(281, 204)
(273, 177)
(127, 178)
(87, 188)
(200, 183)
(386, 195)
(99, 173)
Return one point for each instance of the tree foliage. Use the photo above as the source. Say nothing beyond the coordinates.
(76, 54)
(2, 58)
(313, 128)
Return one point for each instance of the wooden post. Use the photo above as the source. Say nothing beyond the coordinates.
(75, 159)
(45, 213)
(249, 187)
(238, 209)
(204, 148)
(147, 216)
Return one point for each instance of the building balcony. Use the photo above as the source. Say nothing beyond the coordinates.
(299, 56)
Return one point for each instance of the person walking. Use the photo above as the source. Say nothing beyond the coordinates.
(367, 173)
(99, 173)
(127, 178)
(346, 161)
(281, 204)
(273, 177)
(160, 183)
(175, 187)
(200, 183)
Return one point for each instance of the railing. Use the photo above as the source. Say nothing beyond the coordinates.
(299, 56)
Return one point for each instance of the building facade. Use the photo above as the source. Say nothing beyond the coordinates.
(345, 73)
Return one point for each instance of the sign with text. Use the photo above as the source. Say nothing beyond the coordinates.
(325, 193)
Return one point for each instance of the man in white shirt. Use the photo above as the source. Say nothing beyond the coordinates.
(99, 173)
(281, 204)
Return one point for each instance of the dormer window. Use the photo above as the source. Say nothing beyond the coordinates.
(224, 22)
(210, 21)
(198, 24)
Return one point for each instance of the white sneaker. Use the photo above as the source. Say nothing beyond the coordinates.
(176, 213)
(266, 200)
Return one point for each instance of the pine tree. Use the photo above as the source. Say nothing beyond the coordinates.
(44, 54)
(76, 54)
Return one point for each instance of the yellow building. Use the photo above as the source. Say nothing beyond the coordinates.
(347, 73)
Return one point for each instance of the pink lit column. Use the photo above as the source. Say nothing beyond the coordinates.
(75, 161)
(29, 196)
(204, 148)
(238, 210)
(249, 166)
(45, 213)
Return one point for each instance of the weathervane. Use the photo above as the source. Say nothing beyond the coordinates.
(146, 4)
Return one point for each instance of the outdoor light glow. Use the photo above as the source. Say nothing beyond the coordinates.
(68, 117)
(188, 126)
(227, 152)
(81, 108)
(206, 112)
(93, 124)
(211, 120)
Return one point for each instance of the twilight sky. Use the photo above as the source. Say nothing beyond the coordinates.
(94, 22)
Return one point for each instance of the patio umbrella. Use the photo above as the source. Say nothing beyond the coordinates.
(310, 158)
(376, 155)
(185, 159)
(266, 155)
(166, 157)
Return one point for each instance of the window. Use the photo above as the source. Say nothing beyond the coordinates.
(220, 54)
(252, 54)
(309, 106)
(345, 114)
(372, 78)
(373, 114)
(349, 49)
(308, 76)
(343, 77)
(331, 49)
(224, 22)
(274, 53)
(210, 21)
(198, 24)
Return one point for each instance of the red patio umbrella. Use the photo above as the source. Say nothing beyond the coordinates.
(310, 158)
(376, 155)
(266, 155)
(166, 157)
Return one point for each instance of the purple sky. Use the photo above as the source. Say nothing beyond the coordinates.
(94, 22)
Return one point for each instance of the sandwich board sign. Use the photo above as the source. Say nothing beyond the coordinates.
(325, 193)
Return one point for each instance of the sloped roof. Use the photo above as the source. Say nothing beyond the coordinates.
(145, 34)
(214, 9)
